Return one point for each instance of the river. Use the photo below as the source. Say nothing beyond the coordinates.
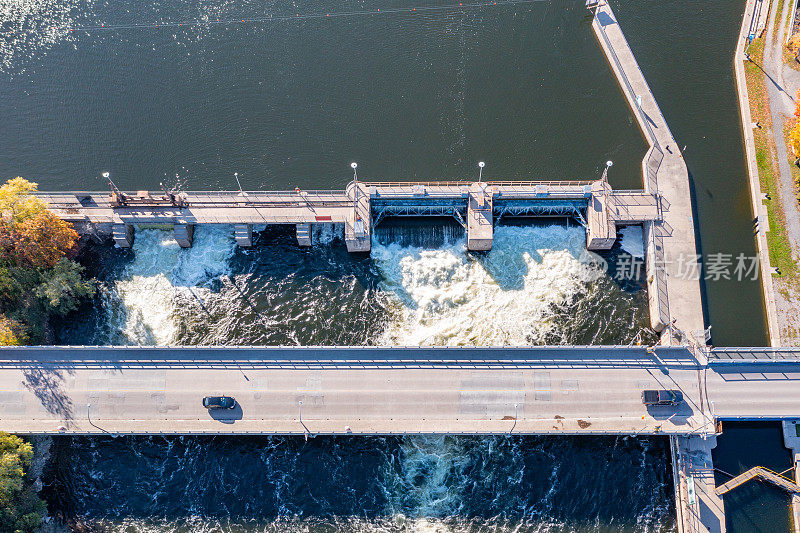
(411, 95)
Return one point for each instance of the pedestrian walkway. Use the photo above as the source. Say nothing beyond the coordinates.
(675, 302)
(759, 472)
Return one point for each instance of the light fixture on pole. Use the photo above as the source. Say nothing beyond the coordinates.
(354, 166)
(609, 164)
(481, 164)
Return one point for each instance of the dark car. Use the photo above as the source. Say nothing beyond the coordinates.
(219, 402)
(662, 397)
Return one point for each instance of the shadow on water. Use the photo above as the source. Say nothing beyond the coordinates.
(755, 507)
(598, 484)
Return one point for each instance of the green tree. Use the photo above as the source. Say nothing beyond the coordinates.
(62, 287)
(21, 509)
(37, 279)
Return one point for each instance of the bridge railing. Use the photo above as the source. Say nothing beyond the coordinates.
(501, 183)
(723, 355)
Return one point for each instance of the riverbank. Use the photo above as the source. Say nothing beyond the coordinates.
(768, 201)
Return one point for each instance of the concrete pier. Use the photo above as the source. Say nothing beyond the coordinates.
(243, 233)
(123, 235)
(480, 221)
(602, 231)
(698, 506)
(791, 439)
(675, 298)
(303, 232)
(358, 220)
(184, 234)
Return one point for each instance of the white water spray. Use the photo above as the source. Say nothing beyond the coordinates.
(505, 297)
(142, 305)
(632, 240)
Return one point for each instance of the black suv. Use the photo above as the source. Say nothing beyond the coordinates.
(662, 397)
(219, 402)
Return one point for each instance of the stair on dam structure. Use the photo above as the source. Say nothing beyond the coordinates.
(761, 473)
(184, 234)
(243, 233)
(304, 234)
(123, 235)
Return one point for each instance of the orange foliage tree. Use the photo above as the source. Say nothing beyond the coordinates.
(30, 235)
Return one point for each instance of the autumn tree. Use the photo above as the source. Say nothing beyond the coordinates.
(11, 332)
(794, 139)
(37, 279)
(31, 235)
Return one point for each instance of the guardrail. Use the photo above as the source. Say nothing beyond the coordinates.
(753, 354)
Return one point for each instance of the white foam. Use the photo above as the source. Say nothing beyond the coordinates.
(429, 479)
(632, 240)
(143, 301)
(505, 297)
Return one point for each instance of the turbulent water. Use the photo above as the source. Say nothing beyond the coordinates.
(413, 484)
(538, 285)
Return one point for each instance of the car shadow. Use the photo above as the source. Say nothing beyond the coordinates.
(226, 416)
(678, 414)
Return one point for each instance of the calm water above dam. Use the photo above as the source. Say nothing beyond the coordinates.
(410, 97)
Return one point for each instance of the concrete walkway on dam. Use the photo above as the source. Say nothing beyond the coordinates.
(671, 240)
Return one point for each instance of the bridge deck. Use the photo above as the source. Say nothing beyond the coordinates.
(371, 390)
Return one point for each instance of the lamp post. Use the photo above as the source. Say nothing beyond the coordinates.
(515, 419)
(354, 166)
(300, 415)
(481, 164)
(609, 164)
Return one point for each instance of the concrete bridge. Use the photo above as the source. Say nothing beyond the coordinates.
(541, 390)
(410, 390)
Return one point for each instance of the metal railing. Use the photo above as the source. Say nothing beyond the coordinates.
(753, 355)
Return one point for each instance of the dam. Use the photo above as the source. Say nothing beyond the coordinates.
(477, 206)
